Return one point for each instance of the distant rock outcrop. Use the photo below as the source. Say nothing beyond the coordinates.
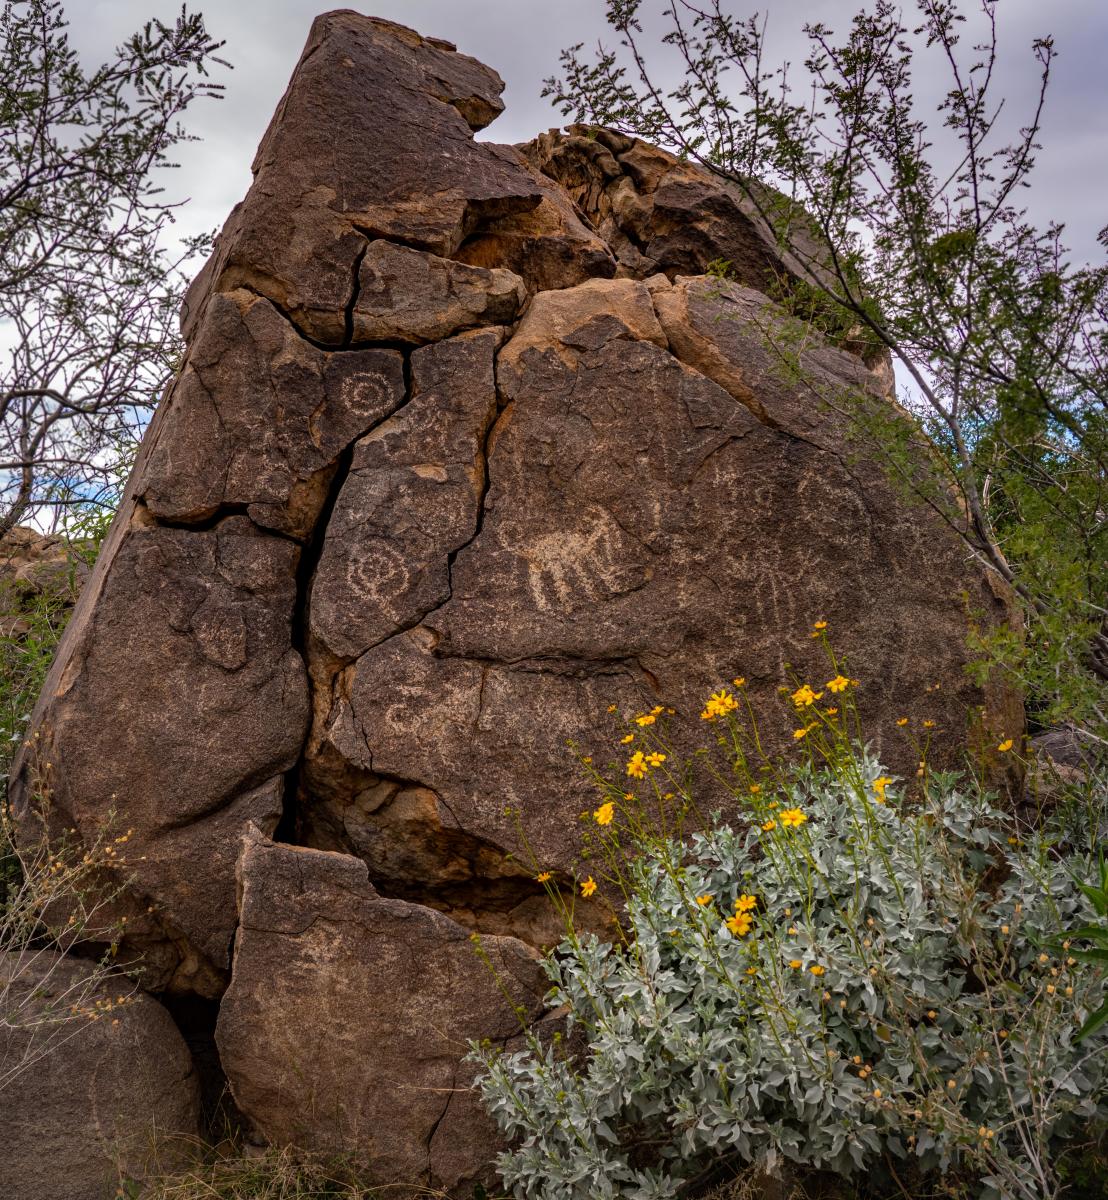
(467, 447)
(33, 566)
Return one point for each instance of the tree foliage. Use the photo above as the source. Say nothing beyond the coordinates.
(88, 291)
(926, 250)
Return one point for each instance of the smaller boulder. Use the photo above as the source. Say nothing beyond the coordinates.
(91, 1072)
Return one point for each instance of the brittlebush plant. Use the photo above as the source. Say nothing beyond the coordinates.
(858, 974)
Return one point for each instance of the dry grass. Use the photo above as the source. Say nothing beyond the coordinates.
(236, 1170)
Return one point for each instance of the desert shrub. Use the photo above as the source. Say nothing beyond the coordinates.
(862, 974)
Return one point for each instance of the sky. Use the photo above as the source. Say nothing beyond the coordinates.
(521, 39)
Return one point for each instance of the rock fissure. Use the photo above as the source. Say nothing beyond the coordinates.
(355, 292)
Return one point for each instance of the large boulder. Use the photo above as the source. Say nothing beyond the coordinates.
(466, 449)
(386, 995)
(93, 1076)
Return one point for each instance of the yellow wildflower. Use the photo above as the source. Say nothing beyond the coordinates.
(739, 924)
(739, 681)
(799, 733)
(611, 708)
(755, 789)
(646, 719)
(624, 740)
(657, 710)
(804, 697)
(655, 759)
(746, 903)
(605, 813)
(768, 825)
(587, 760)
(795, 963)
(636, 765)
(839, 684)
(831, 712)
(879, 786)
(705, 899)
(816, 969)
(929, 724)
(902, 721)
(1005, 746)
(793, 818)
(719, 704)
(543, 877)
(588, 887)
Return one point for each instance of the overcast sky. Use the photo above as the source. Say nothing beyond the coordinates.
(521, 40)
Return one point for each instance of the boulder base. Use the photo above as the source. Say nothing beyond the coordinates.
(91, 1076)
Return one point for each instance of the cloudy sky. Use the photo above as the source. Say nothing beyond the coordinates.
(521, 39)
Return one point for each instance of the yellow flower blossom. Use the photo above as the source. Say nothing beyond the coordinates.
(793, 818)
(705, 899)
(588, 887)
(795, 963)
(768, 825)
(746, 903)
(755, 789)
(1005, 746)
(656, 759)
(832, 712)
(902, 721)
(587, 760)
(929, 724)
(719, 705)
(879, 786)
(804, 697)
(739, 681)
(543, 877)
(624, 740)
(839, 684)
(611, 708)
(646, 719)
(739, 924)
(636, 765)
(605, 814)
(800, 733)
(816, 969)
(820, 625)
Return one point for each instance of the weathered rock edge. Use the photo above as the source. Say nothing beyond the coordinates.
(465, 450)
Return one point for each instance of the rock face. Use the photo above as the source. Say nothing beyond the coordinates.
(386, 995)
(467, 449)
(87, 1081)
